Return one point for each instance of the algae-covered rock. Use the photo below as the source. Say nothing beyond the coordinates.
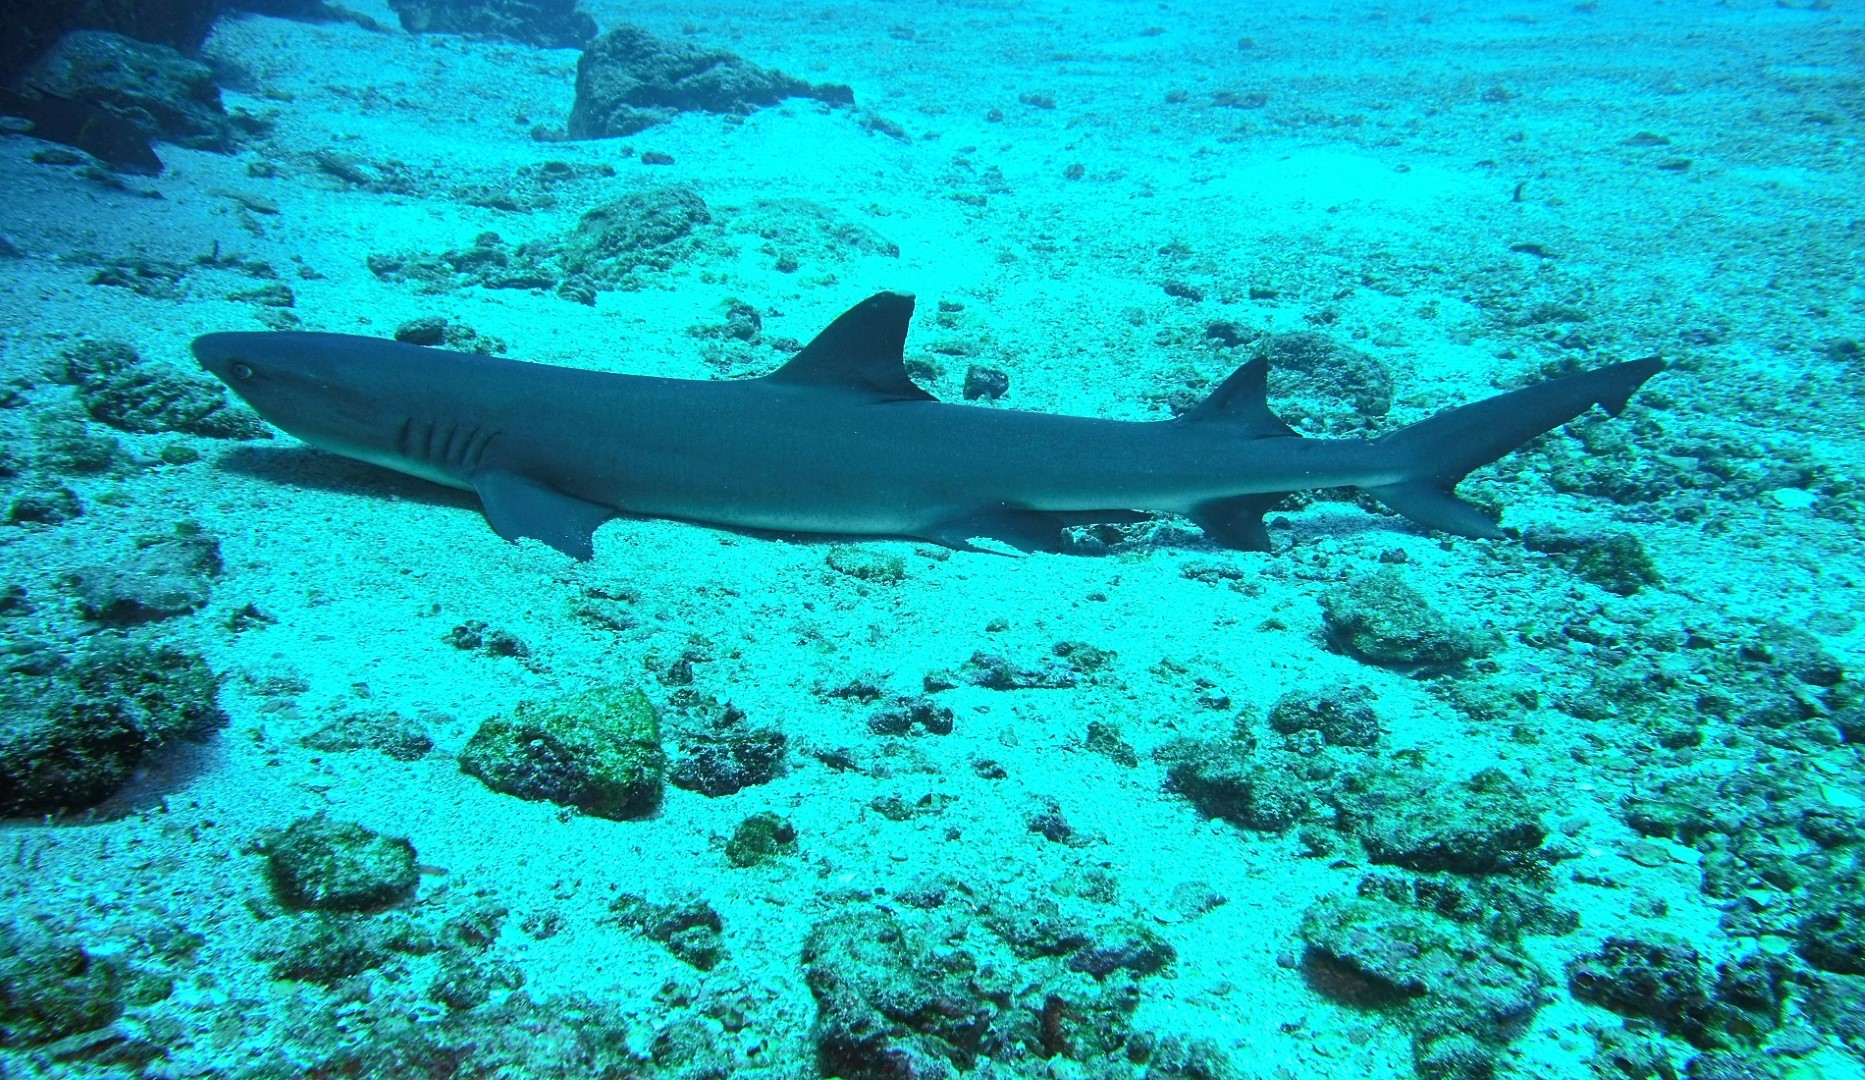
(629, 80)
(161, 577)
(1663, 979)
(330, 865)
(548, 24)
(1617, 563)
(867, 564)
(646, 227)
(564, 1037)
(384, 731)
(1343, 715)
(51, 988)
(1463, 995)
(1381, 619)
(598, 751)
(1123, 947)
(1832, 932)
(690, 929)
(328, 948)
(885, 1006)
(120, 388)
(1332, 369)
(1224, 778)
(69, 740)
(1482, 825)
(721, 752)
(152, 87)
(760, 838)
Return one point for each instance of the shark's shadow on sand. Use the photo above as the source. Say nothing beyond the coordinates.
(301, 466)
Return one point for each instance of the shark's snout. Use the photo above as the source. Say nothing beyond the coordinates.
(219, 355)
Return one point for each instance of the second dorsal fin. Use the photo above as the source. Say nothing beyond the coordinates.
(863, 350)
(1242, 400)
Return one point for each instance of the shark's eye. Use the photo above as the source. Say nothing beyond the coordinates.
(241, 370)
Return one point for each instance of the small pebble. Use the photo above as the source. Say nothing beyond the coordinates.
(1841, 797)
(1791, 498)
(1645, 853)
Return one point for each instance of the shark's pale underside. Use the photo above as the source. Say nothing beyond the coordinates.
(840, 440)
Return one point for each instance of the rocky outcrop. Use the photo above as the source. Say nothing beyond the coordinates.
(550, 24)
(629, 80)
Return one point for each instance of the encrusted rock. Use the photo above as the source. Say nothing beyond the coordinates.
(628, 80)
(598, 751)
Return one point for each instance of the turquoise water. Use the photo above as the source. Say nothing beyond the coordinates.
(308, 772)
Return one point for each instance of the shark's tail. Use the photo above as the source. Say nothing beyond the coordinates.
(1442, 449)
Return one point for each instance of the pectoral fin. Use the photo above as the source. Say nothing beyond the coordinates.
(517, 507)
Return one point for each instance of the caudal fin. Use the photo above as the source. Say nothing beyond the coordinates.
(1440, 450)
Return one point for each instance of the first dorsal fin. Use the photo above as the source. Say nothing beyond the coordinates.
(863, 350)
(1242, 401)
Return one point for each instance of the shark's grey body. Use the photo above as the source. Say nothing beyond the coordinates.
(840, 440)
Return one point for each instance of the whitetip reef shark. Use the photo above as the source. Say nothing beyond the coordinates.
(841, 440)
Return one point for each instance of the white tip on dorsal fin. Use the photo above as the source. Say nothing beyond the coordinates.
(863, 350)
(1242, 400)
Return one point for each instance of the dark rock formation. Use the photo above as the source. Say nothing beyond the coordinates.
(118, 144)
(162, 577)
(117, 386)
(152, 87)
(551, 24)
(31, 26)
(325, 865)
(598, 751)
(68, 742)
(630, 80)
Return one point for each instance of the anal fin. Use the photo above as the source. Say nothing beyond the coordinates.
(517, 506)
(1433, 505)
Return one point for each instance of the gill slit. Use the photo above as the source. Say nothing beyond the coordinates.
(456, 448)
